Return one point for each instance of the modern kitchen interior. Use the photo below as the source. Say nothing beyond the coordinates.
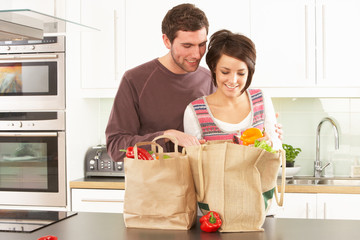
(62, 61)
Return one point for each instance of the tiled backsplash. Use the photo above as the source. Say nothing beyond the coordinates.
(300, 118)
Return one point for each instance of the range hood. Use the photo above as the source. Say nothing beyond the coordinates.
(26, 24)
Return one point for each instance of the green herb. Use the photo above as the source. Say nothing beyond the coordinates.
(291, 152)
(262, 144)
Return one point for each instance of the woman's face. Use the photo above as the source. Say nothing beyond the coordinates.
(231, 75)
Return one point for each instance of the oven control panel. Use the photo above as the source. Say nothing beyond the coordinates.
(32, 121)
(48, 44)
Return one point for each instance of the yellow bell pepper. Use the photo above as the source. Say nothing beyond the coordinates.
(250, 135)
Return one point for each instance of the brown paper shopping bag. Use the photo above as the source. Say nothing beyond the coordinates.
(236, 181)
(159, 194)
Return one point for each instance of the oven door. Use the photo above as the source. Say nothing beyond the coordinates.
(32, 81)
(32, 168)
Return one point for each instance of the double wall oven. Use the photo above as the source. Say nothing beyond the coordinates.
(32, 123)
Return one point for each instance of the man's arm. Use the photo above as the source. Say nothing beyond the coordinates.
(123, 126)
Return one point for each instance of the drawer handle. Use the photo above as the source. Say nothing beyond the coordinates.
(102, 200)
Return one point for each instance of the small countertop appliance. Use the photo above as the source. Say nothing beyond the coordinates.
(99, 164)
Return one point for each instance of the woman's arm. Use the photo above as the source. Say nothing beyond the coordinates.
(191, 123)
(270, 121)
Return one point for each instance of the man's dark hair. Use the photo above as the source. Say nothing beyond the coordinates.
(183, 17)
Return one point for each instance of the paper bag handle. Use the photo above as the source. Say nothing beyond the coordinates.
(280, 201)
(154, 145)
(173, 139)
(201, 195)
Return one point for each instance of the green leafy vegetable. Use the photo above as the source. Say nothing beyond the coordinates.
(262, 144)
(291, 152)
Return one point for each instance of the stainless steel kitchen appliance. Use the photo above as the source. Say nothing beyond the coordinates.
(32, 74)
(32, 158)
(99, 164)
(27, 221)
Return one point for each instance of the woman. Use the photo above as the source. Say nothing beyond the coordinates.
(233, 107)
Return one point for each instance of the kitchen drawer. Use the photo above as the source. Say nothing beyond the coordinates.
(97, 200)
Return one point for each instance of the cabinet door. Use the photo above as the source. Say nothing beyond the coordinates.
(284, 34)
(338, 206)
(298, 205)
(338, 40)
(143, 30)
(102, 52)
(97, 200)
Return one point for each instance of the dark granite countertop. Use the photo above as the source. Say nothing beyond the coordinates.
(110, 226)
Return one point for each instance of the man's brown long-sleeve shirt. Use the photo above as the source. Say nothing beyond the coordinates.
(150, 100)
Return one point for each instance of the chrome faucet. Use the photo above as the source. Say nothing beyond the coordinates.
(317, 164)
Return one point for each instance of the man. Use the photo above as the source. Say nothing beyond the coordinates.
(152, 97)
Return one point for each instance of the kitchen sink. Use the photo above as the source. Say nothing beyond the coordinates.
(324, 181)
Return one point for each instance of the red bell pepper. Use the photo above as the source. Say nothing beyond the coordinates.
(142, 153)
(48, 238)
(210, 222)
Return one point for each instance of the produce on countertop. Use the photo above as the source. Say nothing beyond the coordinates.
(210, 222)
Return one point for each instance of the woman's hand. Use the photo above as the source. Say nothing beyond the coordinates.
(266, 138)
(184, 139)
(278, 130)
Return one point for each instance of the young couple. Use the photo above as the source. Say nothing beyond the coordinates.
(152, 98)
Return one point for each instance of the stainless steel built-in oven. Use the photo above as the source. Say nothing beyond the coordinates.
(32, 74)
(32, 158)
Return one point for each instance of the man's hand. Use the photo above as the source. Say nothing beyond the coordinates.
(184, 139)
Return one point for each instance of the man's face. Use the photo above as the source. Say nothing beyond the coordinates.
(187, 49)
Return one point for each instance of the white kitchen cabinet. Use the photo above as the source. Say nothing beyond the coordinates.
(131, 35)
(97, 200)
(306, 48)
(338, 206)
(102, 52)
(284, 34)
(298, 205)
(320, 206)
(338, 43)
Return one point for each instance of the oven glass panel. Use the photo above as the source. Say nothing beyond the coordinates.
(28, 78)
(29, 164)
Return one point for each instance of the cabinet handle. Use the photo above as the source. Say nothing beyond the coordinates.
(115, 46)
(306, 42)
(30, 56)
(28, 134)
(325, 217)
(323, 33)
(102, 200)
(307, 210)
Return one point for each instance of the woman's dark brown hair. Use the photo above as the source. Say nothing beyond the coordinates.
(234, 45)
(184, 17)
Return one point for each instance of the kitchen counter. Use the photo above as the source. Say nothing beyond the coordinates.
(110, 226)
(119, 183)
(99, 183)
(322, 189)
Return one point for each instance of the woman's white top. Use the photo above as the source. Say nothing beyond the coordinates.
(192, 126)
